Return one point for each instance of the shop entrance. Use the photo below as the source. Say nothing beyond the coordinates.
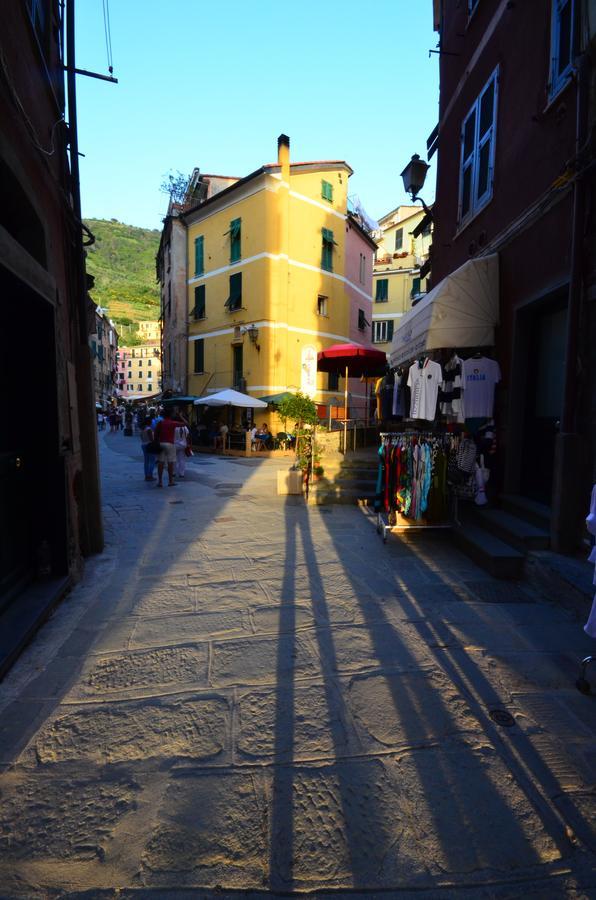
(32, 477)
(544, 399)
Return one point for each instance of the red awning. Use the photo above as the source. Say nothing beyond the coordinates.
(359, 360)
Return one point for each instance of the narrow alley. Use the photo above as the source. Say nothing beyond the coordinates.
(249, 696)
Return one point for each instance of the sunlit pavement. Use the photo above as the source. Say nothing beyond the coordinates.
(246, 695)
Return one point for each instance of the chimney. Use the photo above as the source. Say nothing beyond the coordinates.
(283, 156)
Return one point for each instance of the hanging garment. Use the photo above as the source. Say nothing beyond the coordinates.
(378, 388)
(397, 405)
(590, 626)
(424, 382)
(387, 397)
(437, 508)
(480, 377)
(451, 394)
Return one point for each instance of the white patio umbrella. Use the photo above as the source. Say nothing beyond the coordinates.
(229, 397)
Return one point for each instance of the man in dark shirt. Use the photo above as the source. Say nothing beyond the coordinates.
(164, 433)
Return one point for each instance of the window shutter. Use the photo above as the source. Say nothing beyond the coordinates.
(390, 330)
(199, 307)
(199, 262)
(382, 290)
(234, 301)
(199, 355)
(235, 240)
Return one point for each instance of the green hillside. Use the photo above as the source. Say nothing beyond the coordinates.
(122, 261)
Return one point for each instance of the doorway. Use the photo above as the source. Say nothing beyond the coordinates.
(545, 364)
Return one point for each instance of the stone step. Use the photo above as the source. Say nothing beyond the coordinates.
(537, 514)
(25, 615)
(514, 531)
(495, 556)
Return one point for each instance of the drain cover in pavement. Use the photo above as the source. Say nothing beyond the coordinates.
(502, 717)
(497, 592)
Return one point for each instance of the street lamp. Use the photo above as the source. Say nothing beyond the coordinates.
(414, 176)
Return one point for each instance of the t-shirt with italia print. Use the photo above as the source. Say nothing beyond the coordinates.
(480, 377)
(424, 386)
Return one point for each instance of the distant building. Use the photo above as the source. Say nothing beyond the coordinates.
(104, 346)
(50, 515)
(138, 371)
(400, 268)
(149, 332)
(276, 270)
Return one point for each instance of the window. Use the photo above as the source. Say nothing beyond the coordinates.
(327, 191)
(322, 306)
(199, 355)
(478, 152)
(129, 363)
(139, 387)
(399, 238)
(94, 348)
(140, 362)
(198, 311)
(100, 353)
(235, 240)
(130, 375)
(362, 273)
(382, 290)
(562, 45)
(327, 254)
(415, 287)
(382, 332)
(199, 256)
(148, 362)
(149, 387)
(333, 381)
(234, 301)
(427, 226)
(362, 323)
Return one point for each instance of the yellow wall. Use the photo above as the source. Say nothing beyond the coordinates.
(276, 292)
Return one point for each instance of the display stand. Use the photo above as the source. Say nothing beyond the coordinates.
(404, 524)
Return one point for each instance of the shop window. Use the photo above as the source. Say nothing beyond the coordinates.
(199, 258)
(327, 250)
(322, 306)
(234, 301)
(327, 191)
(562, 45)
(399, 238)
(199, 356)
(478, 151)
(235, 240)
(382, 331)
(198, 311)
(382, 290)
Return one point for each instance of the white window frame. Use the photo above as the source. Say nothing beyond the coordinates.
(558, 81)
(478, 202)
(322, 306)
(472, 7)
(379, 335)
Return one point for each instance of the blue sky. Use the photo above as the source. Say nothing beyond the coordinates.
(212, 85)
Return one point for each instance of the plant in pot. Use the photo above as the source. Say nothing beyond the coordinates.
(302, 411)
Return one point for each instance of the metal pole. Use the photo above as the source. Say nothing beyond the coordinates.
(346, 414)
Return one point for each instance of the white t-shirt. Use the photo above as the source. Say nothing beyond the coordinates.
(479, 379)
(424, 386)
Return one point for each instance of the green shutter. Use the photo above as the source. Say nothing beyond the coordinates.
(199, 355)
(382, 290)
(327, 250)
(390, 330)
(199, 259)
(327, 191)
(199, 307)
(234, 301)
(235, 240)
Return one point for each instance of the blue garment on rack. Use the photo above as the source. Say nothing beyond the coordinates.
(427, 479)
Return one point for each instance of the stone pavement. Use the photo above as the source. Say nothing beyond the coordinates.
(249, 697)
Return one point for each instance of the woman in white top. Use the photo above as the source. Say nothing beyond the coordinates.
(181, 443)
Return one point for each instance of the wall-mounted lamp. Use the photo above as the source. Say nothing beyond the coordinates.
(414, 176)
(253, 335)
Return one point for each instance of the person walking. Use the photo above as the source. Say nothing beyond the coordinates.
(149, 459)
(165, 432)
(181, 437)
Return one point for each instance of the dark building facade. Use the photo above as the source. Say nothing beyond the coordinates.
(49, 487)
(515, 176)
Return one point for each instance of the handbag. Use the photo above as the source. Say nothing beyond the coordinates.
(153, 447)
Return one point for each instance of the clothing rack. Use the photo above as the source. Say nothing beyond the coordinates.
(446, 440)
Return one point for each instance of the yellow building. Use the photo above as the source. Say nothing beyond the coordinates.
(149, 332)
(400, 268)
(277, 270)
(139, 371)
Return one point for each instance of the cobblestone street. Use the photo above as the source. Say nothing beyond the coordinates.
(248, 695)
